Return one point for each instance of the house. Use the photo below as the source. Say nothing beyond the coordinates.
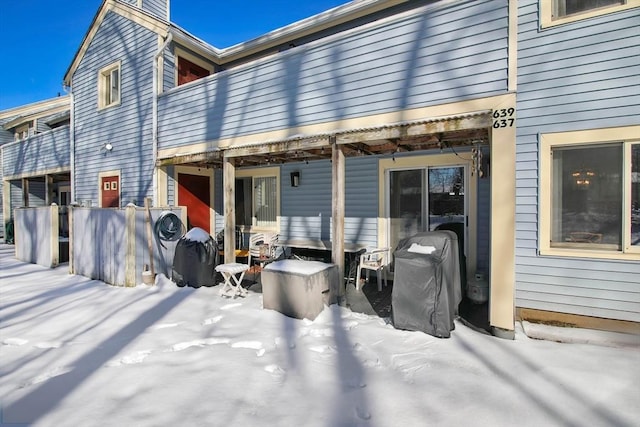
(35, 155)
(378, 119)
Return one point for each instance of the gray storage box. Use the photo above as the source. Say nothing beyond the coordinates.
(426, 286)
(299, 289)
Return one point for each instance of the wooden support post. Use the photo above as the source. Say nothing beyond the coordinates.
(25, 193)
(48, 190)
(72, 266)
(229, 182)
(54, 234)
(337, 213)
(147, 218)
(130, 254)
(503, 214)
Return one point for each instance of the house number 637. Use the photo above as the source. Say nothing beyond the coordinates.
(503, 118)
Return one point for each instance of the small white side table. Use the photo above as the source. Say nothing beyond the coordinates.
(232, 283)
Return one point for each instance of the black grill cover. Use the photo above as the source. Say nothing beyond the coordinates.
(194, 262)
(426, 287)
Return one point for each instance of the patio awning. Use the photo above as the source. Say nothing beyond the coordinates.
(405, 136)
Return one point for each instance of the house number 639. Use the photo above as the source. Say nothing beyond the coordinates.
(503, 118)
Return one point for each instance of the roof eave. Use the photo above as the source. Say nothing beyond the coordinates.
(313, 24)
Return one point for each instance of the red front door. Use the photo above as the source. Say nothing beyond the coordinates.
(110, 187)
(194, 193)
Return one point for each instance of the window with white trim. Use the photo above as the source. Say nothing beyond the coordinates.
(554, 12)
(109, 86)
(562, 8)
(23, 131)
(257, 199)
(590, 191)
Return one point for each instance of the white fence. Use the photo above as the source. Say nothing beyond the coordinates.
(111, 245)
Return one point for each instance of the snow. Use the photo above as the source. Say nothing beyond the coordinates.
(295, 266)
(76, 351)
(197, 234)
(420, 249)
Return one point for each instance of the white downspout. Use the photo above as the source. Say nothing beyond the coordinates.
(72, 142)
(154, 125)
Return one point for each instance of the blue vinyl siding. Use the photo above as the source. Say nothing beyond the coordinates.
(169, 70)
(37, 192)
(15, 195)
(428, 57)
(307, 207)
(5, 135)
(37, 154)
(41, 126)
(127, 127)
(583, 75)
(156, 7)
(306, 210)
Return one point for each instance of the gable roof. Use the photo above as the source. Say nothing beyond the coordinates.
(135, 14)
(18, 115)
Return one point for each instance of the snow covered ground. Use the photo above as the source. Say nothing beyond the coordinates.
(77, 352)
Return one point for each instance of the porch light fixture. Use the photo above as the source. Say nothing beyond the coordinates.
(107, 147)
(295, 179)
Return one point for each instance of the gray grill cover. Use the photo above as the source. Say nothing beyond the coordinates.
(426, 288)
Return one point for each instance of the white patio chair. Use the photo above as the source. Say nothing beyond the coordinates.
(376, 260)
(262, 245)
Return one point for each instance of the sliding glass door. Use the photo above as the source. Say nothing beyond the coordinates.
(424, 198)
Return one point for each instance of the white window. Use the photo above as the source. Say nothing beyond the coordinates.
(590, 192)
(564, 8)
(109, 86)
(24, 131)
(554, 12)
(257, 198)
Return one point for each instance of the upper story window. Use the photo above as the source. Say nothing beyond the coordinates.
(190, 68)
(23, 132)
(590, 193)
(555, 12)
(109, 86)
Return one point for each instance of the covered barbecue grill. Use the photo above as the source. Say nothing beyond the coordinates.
(427, 283)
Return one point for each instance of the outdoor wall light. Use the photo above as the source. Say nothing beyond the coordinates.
(106, 147)
(295, 179)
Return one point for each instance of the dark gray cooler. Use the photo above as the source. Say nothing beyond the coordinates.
(426, 287)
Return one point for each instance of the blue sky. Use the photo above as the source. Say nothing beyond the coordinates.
(42, 36)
